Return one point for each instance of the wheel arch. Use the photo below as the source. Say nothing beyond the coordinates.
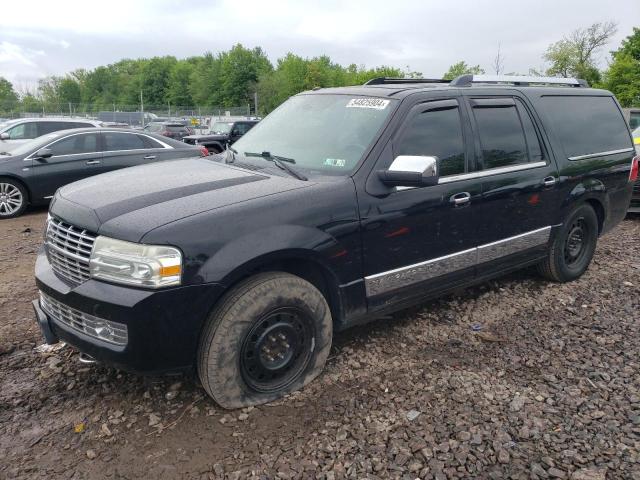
(21, 182)
(306, 264)
(594, 193)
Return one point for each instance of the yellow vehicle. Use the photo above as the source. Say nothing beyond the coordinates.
(636, 137)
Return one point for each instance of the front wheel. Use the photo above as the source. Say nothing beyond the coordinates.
(573, 246)
(269, 336)
(13, 198)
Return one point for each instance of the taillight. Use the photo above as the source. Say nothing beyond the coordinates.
(166, 133)
(633, 174)
(204, 151)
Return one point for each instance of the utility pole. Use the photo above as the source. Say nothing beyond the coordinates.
(142, 108)
(255, 102)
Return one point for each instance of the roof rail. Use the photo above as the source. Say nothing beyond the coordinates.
(393, 81)
(468, 80)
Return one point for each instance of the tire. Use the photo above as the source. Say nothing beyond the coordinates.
(268, 336)
(573, 246)
(13, 198)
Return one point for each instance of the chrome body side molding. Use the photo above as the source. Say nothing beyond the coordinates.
(601, 154)
(412, 274)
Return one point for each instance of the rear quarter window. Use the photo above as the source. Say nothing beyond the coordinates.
(587, 125)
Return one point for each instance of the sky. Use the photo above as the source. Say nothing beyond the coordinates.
(43, 37)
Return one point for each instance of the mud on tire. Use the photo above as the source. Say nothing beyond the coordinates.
(268, 336)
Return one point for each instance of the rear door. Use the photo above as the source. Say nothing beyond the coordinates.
(128, 149)
(73, 158)
(519, 181)
(420, 240)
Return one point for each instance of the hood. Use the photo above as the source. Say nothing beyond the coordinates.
(128, 203)
(8, 145)
(212, 136)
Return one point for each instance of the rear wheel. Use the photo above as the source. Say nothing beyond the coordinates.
(573, 247)
(13, 198)
(269, 336)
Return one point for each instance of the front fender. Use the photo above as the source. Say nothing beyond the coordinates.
(245, 253)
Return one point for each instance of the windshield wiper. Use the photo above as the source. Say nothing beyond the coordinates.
(279, 162)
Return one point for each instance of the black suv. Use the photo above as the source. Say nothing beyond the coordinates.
(341, 205)
(221, 135)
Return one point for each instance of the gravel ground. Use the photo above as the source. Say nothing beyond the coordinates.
(517, 378)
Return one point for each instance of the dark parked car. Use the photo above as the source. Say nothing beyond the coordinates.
(175, 130)
(31, 173)
(19, 131)
(221, 134)
(341, 205)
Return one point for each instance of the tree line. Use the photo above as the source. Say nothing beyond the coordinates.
(234, 77)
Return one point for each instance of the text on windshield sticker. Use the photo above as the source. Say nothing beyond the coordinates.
(377, 103)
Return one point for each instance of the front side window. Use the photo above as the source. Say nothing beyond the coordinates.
(23, 131)
(437, 133)
(325, 134)
(75, 144)
(122, 141)
(587, 125)
(502, 138)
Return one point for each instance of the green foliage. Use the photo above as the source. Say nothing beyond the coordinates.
(461, 68)
(574, 56)
(8, 97)
(623, 75)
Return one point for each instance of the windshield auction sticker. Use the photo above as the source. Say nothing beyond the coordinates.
(376, 103)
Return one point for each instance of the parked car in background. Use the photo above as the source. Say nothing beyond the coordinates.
(342, 205)
(16, 132)
(221, 134)
(634, 206)
(175, 130)
(636, 137)
(32, 172)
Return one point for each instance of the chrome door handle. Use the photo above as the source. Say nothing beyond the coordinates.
(549, 181)
(149, 157)
(461, 198)
(93, 162)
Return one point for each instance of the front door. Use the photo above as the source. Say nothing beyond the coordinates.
(72, 159)
(422, 240)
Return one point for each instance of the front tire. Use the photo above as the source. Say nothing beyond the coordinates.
(13, 198)
(573, 246)
(268, 336)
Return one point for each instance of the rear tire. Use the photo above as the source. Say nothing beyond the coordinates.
(13, 198)
(573, 246)
(269, 336)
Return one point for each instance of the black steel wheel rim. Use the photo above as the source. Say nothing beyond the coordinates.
(277, 349)
(575, 246)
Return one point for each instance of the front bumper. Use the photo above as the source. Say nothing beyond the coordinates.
(163, 325)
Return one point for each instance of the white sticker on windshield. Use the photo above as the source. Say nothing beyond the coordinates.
(377, 103)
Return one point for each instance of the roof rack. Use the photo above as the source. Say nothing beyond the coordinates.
(468, 80)
(394, 81)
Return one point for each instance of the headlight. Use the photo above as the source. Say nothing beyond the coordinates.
(135, 264)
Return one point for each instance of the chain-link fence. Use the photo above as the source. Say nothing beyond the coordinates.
(130, 114)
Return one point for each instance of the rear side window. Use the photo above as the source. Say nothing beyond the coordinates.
(149, 142)
(83, 143)
(49, 127)
(438, 133)
(501, 134)
(587, 125)
(531, 136)
(122, 141)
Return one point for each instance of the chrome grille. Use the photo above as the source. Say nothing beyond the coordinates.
(68, 250)
(105, 330)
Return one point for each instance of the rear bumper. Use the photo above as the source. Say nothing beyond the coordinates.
(163, 325)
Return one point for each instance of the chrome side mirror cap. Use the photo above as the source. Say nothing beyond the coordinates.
(411, 171)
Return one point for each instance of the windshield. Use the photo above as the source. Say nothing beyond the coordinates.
(31, 145)
(7, 123)
(221, 127)
(326, 134)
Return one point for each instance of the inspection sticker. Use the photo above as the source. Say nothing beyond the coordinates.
(377, 103)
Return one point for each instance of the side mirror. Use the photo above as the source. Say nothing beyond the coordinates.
(411, 171)
(5, 136)
(43, 154)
